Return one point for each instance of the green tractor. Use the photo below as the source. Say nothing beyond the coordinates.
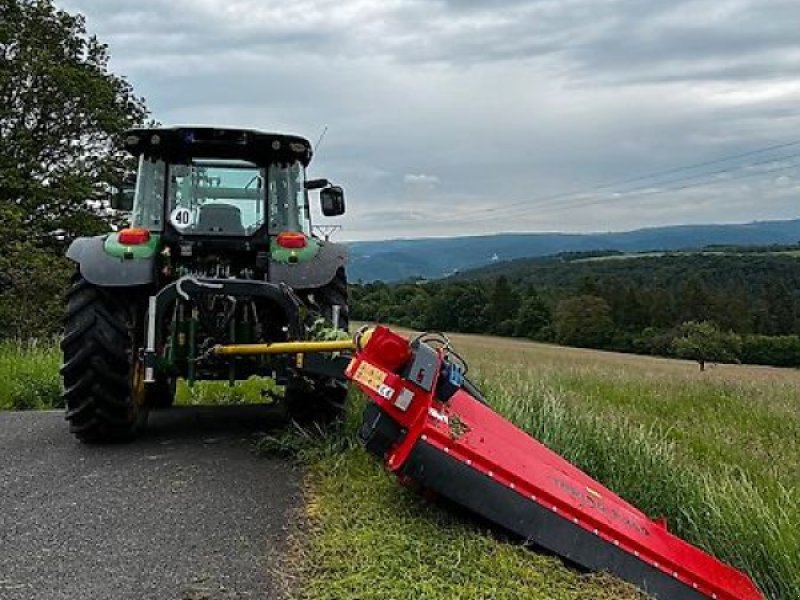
(219, 251)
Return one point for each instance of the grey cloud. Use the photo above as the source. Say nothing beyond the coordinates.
(503, 102)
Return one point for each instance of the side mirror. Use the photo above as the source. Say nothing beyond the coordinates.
(332, 200)
(122, 197)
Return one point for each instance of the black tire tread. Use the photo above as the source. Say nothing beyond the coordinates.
(98, 354)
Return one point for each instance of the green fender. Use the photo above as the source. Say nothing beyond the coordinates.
(314, 272)
(103, 261)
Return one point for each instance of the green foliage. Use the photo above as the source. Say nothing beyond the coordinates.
(458, 308)
(533, 317)
(62, 114)
(32, 285)
(254, 390)
(704, 342)
(29, 375)
(321, 331)
(750, 294)
(503, 307)
(583, 321)
(780, 351)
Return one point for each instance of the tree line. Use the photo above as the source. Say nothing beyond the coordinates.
(729, 308)
(62, 116)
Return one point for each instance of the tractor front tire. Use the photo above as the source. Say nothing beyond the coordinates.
(100, 365)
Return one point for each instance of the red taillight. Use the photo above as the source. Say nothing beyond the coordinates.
(292, 239)
(133, 236)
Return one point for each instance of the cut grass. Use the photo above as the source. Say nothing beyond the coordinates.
(366, 537)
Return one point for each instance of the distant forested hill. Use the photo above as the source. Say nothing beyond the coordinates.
(727, 269)
(740, 304)
(397, 260)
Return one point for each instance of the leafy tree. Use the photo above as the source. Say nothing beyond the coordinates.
(32, 284)
(459, 307)
(532, 317)
(583, 321)
(781, 350)
(703, 342)
(62, 113)
(628, 310)
(694, 300)
(503, 306)
(780, 306)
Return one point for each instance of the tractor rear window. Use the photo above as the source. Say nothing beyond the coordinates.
(217, 198)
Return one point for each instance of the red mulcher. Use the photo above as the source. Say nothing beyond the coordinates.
(432, 427)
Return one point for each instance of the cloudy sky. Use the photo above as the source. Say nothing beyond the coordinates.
(451, 117)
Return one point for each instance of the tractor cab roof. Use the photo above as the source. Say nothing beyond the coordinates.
(179, 144)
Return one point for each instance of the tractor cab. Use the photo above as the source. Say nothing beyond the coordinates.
(223, 182)
(203, 190)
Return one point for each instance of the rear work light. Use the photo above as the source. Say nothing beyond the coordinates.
(292, 239)
(134, 236)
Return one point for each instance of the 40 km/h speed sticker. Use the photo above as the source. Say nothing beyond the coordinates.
(181, 218)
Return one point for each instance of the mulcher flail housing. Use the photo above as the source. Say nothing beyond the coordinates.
(219, 251)
(433, 429)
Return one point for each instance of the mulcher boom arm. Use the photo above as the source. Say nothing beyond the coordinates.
(431, 430)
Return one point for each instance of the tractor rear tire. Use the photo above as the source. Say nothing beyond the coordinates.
(100, 365)
(316, 402)
(161, 394)
(322, 401)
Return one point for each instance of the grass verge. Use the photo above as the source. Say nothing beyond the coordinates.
(743, 518)
(718, 454)
(29, 378)
(366, 537)
(715, 453)
(255, 390)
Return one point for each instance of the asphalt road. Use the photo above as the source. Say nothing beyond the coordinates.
(188, 512)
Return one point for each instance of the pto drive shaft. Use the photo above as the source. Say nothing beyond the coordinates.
(300, 347)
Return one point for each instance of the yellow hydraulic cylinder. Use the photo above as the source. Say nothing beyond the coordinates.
(283, 348)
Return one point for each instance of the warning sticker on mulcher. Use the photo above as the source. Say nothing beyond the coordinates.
(373, 378)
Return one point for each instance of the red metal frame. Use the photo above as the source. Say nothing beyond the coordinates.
(476, 436)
